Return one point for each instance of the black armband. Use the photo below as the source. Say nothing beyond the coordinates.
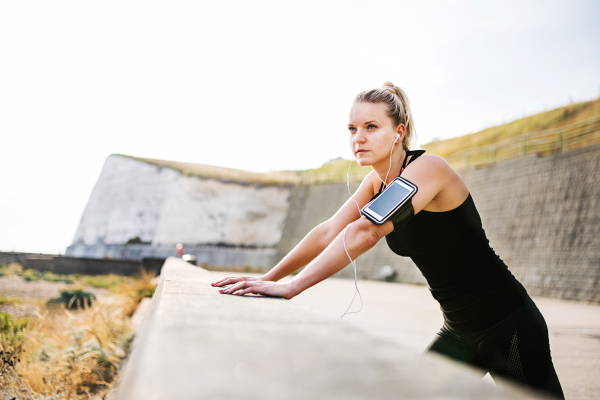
(393, 204)
(403, 215)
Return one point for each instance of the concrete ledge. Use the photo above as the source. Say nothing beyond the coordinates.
(195, 343)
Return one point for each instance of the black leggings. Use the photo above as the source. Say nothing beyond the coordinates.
(516, 349)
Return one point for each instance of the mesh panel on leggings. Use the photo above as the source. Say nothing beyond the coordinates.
(514, 368)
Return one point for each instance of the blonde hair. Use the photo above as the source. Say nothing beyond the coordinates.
(398, 107)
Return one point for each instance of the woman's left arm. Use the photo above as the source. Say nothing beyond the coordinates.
(361, 235)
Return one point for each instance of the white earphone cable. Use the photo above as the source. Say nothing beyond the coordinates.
(353, 262)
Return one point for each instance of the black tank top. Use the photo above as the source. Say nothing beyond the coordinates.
(473, 285)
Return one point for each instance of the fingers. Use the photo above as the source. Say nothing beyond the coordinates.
(247, 290)
(247, 285)
(227, 281)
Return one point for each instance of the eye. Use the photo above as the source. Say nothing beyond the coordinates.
(371, 126)
(352, 129)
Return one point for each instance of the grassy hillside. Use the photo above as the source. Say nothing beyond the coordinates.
(538, 122)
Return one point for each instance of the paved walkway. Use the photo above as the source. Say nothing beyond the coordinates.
(407, 314)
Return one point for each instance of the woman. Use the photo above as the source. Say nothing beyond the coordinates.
(490, 321)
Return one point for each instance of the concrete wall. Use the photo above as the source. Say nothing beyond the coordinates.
(91, 266)
(541, 214)
(214, 256)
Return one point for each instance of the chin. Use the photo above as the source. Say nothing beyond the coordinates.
(363, 163)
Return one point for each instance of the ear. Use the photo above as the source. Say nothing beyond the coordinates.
(400, 131)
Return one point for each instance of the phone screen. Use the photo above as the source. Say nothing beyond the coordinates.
(389, 199)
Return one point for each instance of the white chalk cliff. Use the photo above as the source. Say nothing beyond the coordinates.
(163, 206)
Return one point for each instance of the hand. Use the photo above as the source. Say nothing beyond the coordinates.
(236, 279)
(268, 288)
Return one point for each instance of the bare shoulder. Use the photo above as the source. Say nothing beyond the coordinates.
(448, 186)
(431, 164)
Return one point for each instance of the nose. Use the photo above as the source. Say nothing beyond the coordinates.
(359, 136)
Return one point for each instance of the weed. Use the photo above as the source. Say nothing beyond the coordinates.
(73, 299)
(137, 288)
(11, 384)
(69, 353)
(75, 354)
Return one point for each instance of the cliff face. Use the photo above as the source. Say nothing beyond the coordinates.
(163, 207)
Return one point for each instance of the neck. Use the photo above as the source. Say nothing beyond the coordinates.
(382, 167)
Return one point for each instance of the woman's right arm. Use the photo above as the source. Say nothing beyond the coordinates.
(320, 237)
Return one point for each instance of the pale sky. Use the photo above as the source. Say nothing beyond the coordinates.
(257, 85)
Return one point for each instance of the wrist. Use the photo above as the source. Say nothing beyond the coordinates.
(266, 278)
(293, 288)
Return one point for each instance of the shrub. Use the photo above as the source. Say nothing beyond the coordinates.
(136, 240)
(8, 325)
(12, 332)
(31, 275)
(51, 277)
(105, 281)
(6, 300)
(73, 299)
(10, 269)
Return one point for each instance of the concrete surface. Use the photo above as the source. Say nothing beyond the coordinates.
(195, 343)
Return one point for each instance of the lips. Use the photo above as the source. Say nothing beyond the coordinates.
(361, 151)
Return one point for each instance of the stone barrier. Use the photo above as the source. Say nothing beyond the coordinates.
(90, 266)
(196, 343)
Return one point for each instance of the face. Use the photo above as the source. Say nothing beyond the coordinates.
(372, 133)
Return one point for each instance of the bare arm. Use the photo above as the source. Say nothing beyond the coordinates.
(319, 238)
(362, 235)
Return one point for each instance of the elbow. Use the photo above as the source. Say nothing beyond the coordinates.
(324, 233)
(363, 235)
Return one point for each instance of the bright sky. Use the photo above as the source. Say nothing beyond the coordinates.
(257, 85)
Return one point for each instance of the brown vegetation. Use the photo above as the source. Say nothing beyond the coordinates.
(60, 353)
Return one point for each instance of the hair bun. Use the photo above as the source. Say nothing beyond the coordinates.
(390, 87)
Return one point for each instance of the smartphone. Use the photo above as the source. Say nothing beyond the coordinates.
(382, 207)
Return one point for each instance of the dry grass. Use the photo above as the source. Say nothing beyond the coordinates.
(137, 288)
(546, 120)
(10, 269)
(71, 354)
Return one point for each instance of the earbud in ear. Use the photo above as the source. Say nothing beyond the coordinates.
(397, 137)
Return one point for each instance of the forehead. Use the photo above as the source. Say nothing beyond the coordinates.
(363, 112)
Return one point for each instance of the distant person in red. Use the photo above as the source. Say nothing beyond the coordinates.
(490, 320)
